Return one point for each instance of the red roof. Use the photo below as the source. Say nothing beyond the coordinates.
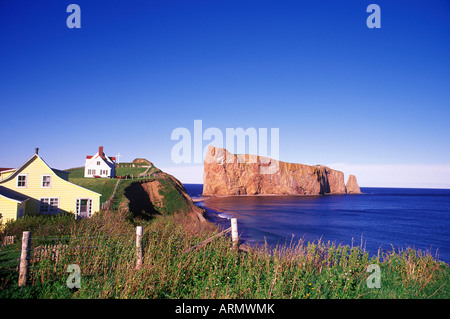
(89, 157)
(4, 169)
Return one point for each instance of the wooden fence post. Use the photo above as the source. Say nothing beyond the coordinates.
(234, 232)
(138, 247)
(24, 258)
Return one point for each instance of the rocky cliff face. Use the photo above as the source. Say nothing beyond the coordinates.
(229, 174)
(352, 185)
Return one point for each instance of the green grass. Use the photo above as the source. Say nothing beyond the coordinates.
(124, 171)
(172, 198)
(298, 270)
(76, 172)
(104, 186)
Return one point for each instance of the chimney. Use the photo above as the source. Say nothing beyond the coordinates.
(36, 150)
(100, 151)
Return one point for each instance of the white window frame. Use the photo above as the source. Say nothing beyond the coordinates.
(50, 182)
(48, 204)
(26, 180)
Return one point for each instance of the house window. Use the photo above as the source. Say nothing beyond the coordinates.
(91, 171)
(22, 181)
(48, 205)
(46, 180)
(98, 162)
(84, 208)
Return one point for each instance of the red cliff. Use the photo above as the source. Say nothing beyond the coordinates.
(352, 185)
(230, 174)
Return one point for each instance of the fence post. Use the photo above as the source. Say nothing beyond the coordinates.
(138, 247)
(234, 232)
(24, 258)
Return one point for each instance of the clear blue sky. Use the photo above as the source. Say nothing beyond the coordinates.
(374, 102)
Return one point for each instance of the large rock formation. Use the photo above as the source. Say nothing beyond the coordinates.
(229, 174)
(352, 185)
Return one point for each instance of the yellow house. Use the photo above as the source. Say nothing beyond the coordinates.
(36, 188)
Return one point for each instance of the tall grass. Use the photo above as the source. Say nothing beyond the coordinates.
(104, 248)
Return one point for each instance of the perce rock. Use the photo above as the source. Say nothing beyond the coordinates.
(230, 174)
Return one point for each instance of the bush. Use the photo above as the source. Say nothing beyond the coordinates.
(41, 225)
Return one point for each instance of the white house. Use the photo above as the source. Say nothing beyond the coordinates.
(100, 165)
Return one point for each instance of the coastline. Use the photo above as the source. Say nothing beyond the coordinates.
(384, 218)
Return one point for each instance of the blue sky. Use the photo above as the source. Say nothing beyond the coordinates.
(373, 102)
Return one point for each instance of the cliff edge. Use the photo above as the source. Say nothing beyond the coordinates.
(231, 174)
(161, 195)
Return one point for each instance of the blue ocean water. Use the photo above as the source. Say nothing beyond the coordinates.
(379, 218)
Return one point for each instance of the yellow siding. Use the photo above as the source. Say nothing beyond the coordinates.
(8, 209)
(66, 192)
(6, 175)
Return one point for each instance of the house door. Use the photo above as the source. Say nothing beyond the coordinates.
(84, 206)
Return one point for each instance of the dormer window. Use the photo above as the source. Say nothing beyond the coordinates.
(22, 180)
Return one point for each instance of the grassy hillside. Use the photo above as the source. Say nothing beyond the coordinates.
(158, 195)
(297, 271)
(124, 169)
(76, 172)
(104, 186)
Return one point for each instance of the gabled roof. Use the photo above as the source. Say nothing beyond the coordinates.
(106, 159)
(29, 161)
(102, 155)
(13, 175)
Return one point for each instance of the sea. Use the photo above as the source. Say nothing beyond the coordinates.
(380, 218)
